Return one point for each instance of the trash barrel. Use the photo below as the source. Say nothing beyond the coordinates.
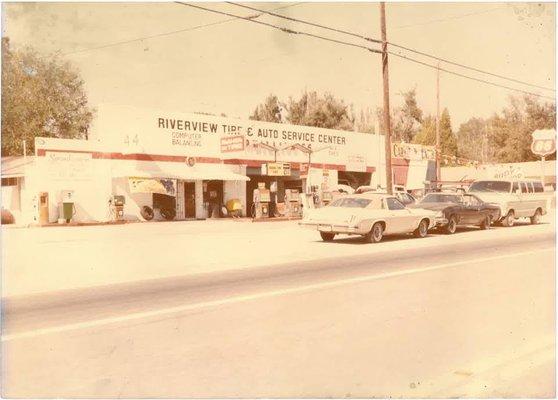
(67, 211)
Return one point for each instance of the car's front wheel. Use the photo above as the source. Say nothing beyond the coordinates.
(536, 218)
(327, 236)
(451, 227)
(509, 219)
(376, 233)
(485, 224)
(422, 229)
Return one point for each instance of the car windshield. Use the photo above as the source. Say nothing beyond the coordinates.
(490, 186)
(350, 202)
(440, 198)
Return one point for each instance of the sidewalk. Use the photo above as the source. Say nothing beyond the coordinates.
(58, 258)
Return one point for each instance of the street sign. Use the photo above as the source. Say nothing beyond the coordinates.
(544, 142)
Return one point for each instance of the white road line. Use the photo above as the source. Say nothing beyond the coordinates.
(256, 296)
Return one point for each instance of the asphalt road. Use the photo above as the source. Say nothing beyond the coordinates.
(470, 319)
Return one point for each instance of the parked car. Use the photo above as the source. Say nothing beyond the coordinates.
(401, 194)
(455, 210)
(405, 198)
(342, 188)
(371, 215)
(516, 198)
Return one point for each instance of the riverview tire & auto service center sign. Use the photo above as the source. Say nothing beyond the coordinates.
(141, 131)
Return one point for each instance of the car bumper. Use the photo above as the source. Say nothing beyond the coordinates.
(441, 221)
(333, 228)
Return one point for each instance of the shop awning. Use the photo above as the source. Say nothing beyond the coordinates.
(177, 171)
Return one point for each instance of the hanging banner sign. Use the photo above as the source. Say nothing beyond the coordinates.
(151, 185)
(410, 151)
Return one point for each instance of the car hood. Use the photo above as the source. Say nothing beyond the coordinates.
(432, 206)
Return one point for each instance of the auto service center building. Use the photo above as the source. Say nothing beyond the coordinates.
(200, 161)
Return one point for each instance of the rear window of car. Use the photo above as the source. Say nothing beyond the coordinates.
(351, 202)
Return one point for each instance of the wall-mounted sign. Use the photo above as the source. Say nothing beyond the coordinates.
(69, 166)
(191, 161)
(356, 162)
(164, 132)
(506, 172)
(276, 169)
(230, 144)
(413, 151)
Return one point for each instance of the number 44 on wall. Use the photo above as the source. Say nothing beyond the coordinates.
(134, 140)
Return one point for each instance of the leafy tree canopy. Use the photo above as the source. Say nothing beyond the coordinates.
(269, 110)
(312, 109)
(406, 119)
(506, 137)
(41, 96)
(427, 134)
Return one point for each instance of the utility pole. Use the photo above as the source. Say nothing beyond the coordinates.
(438, 150)
(387, 122)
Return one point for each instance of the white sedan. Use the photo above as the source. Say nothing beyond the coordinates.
(371, 215)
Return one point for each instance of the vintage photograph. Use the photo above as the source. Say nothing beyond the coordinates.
(278, 200)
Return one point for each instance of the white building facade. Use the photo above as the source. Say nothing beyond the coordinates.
(198, 161)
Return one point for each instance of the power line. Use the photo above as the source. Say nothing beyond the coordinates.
(307, 22)
(469, 77)
(390, 43)
(470, 68)
(369, 49)
(286, 30)
(448, 18)
(139, 39)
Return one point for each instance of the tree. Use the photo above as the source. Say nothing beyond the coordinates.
(472, 140)
(365, 123)
(269, 110)
(510, 132)
(427, 134)
(41, 96)
(406, 120)
(321, 111)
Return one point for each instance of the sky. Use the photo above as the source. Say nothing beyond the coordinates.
(230, 67)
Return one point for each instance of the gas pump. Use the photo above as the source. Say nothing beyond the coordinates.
(292, 203)
(315, 195)
(117, 207)
(43, 208)
(327, 196)
(261, 198)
